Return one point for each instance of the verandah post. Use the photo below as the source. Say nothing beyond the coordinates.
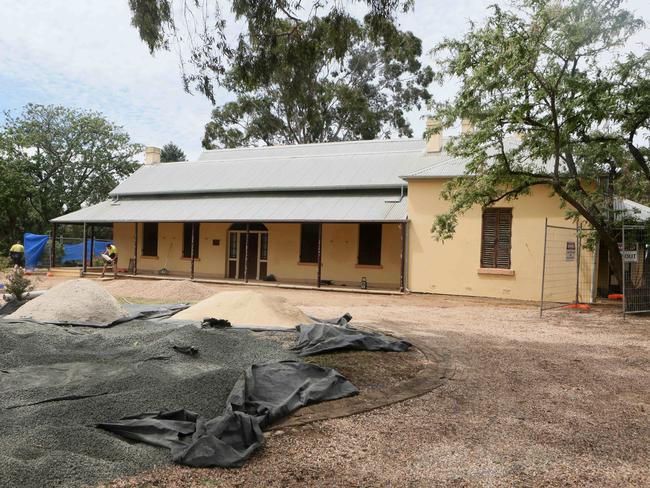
(320, 254)
(402, 257)
(192, 251)
(84, 261)
(248, 232)
(135, 250)
(92, 244)
(53, 246)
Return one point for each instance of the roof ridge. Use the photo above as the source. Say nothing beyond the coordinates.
(311, 144)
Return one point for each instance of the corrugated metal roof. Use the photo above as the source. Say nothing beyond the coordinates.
(350, 165)
(310, 150)
(267, 207)
(447, 168)
(631, 209)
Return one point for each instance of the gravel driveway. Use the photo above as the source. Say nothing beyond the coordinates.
(558, 401)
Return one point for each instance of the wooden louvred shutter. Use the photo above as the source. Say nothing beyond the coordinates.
(489, 239)
(504, 234)
(496, 238)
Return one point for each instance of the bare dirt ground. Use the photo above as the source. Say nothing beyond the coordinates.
(558, 401)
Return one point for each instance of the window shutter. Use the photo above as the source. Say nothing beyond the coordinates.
(504, 233)
(489, 239)
(496, 238)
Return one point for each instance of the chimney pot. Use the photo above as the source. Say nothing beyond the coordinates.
(434, 141)
(152, 155)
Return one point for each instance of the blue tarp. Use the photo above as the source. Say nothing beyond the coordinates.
(75, 252)
(34, 246)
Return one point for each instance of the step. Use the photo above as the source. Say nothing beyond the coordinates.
(65, 272)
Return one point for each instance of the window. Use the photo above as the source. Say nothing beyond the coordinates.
(150, 239)
(496, 238)
(369, 244)
(187, 240)
(309, 243)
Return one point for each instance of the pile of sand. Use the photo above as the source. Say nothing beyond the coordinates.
(75, 301)
(163, 290)
(246, 308)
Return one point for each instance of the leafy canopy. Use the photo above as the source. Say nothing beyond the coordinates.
(551, 105)
(170, 153)
(198, 29)
(332, 80)
(53, 160)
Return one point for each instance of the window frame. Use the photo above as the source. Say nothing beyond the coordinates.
(313, 234)
(380, 232)
(144, 251)
(187, 239)
(498, 211)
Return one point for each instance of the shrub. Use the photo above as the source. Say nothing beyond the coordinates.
(17, 284)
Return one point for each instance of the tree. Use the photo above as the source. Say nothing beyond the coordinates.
(332, 81)
(551, 106)
(58, 159)
(171, 153)
(200, 26)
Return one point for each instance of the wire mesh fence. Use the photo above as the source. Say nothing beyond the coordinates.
(636, 269)
(568, 273)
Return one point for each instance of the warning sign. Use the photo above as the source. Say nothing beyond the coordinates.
(570, 251)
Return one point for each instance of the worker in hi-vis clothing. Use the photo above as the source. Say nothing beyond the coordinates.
(17, 253)
(110, 257)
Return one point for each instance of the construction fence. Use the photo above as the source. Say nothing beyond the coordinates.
(635, 250)
(568, 273)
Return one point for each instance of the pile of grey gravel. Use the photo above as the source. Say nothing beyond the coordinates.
(56, 383)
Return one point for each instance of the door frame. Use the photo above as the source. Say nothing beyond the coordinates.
(262, 236)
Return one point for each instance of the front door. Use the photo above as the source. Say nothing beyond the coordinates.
(253, 256)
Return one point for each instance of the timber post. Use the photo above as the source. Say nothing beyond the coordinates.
(192, 257)
(84, 261)
(248, 232)
(402, 256)
(135, 250)
(53, 246)
(320, 254)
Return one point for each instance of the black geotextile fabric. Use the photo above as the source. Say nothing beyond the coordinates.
(135, 312)
(326, 337)
(56, 383)
(263, 395)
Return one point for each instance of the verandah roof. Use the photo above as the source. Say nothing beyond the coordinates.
(267, 207)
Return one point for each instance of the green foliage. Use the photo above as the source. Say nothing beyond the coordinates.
(550, 108)
(171, 153)
(53, 160)
(200, 26)
(332, 80)
(17, 284)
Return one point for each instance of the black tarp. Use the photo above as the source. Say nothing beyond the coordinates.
(326, 337)
(263, 395)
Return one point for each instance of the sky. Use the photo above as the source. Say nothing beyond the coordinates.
(86, 54)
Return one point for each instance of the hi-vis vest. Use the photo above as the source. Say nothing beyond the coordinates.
(17, 248)
(112, 249)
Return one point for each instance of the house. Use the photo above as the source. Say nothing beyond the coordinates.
(345, 214)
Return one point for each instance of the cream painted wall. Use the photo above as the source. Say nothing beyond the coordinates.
(340, 244)
(211, 260)
(339, 258)
(451, 267)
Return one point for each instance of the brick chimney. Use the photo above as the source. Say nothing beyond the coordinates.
(152, 155)
(434, 141)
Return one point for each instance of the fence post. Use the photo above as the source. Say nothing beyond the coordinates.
(541, 301)
(53, 246)
(623, 276)
(578, 244)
